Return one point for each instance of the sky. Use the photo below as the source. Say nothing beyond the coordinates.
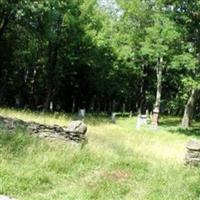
(111, 6)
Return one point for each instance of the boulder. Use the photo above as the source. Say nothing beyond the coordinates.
(76, 128)
(192, 156)
(193, 145)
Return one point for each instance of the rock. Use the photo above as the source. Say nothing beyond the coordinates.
(192, 156)
(2, 197)
(193, 145)
(76, 128)
(192, 161)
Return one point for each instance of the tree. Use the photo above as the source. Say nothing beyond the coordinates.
(157, 46)
(186, 15)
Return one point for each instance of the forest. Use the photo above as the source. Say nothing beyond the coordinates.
(103, 56)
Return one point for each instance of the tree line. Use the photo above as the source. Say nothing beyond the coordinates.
(120, 55)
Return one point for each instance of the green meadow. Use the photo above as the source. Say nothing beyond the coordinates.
(118, 162)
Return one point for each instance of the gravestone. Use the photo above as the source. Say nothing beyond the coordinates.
(81, 113)
(113, 118)
(141, 120)
(51, 106)
(192, 156)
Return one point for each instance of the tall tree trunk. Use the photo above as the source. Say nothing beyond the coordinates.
(141, 98)
(73, 104)
(51, 65)
(189, 109)
(92, 104)
(3, 82)
(156, 110)
(2, 93)
(114, 106)
(3, 25)
(141, 94)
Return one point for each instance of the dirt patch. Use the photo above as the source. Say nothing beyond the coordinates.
(118, 175)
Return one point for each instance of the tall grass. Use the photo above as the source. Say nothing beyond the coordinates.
(119, 162)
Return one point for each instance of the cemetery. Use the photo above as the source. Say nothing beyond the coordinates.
(99, 100)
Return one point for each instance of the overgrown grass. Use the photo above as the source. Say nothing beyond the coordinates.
(119, 162)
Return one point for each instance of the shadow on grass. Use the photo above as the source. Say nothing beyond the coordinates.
(193, 131)
(170, 121)
(173, 125)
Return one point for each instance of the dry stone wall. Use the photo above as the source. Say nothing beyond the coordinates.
(192, 156)
(76, 131)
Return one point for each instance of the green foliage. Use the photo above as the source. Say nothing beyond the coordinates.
(185, 61)
(97, 55)
(160, 37)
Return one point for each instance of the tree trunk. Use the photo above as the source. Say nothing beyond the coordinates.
(3, 25)
(141, 102)
(3, 82)
(189, 108)
(2, 93)
(123, 108)
(92, 104)
(51, 65)
(73, 104)
(156, 110)
(113, 105)
(141, 99)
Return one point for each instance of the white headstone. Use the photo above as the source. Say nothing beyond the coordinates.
(141, 120)
(81, 113)
(51, 106)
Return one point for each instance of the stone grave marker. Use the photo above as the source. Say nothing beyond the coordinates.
(81, 113)
(141, 120)
(192, 156)
(113, 118)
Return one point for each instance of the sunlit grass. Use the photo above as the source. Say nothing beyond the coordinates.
(119, 162)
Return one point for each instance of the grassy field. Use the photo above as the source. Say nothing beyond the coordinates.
(119, 162)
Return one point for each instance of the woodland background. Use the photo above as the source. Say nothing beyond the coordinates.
(103, 56)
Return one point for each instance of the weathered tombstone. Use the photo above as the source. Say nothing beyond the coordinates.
(17, 102)
(113, 118)
(2, 197)
(81, 113)
(192, 156)
(51, 106)
(141, 120)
